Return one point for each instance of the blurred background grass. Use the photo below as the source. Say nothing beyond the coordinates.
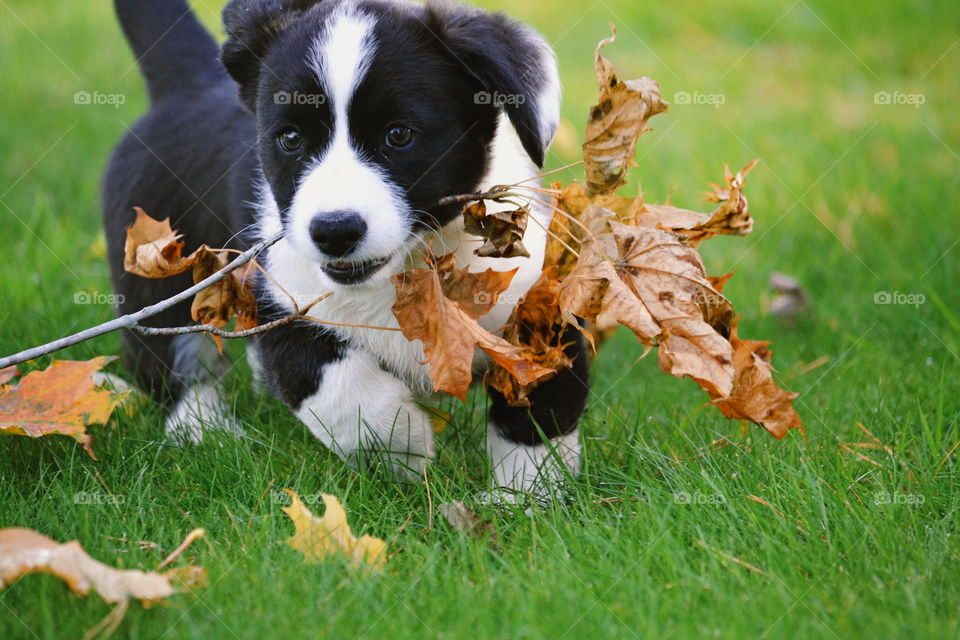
(854, 197)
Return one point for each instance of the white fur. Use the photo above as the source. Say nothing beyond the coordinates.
(539, 470)
(359, 407)
(200, 409)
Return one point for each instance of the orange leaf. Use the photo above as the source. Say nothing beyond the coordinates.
(153, 249)
(231, 297)
(449, 329)
(756, 396)
(502, 231)
(63, 399)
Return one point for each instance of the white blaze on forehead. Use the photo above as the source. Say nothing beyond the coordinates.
(341, 179)
(341, 57)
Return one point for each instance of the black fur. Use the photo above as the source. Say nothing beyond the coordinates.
(556, 405)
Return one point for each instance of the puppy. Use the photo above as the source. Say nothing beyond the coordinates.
(342, 123)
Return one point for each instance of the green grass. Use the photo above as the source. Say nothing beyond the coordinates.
(853, 198)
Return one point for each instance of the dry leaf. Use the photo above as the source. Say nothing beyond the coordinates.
(64, 399)
(731, 218)
(8, 374)
(791, 299)
(23, 552)
(231, 297)
(449, 329)
(153, 249)
(652, 283)
(502, 231)
(755, 395)
(537, 328)
(616, 124)
(320, 538)
(463, 519)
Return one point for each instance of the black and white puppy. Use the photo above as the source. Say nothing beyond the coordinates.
(342, 123)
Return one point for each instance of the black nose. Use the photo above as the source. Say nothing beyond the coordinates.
(338, 233)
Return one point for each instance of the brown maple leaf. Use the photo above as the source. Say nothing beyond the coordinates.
(231, 297)
(153, 249)
(502, 231)
(449, 330)
(755, 395)
(616, 124)
(537, 328)
(64, 399)
(649, 281)
(731, 218)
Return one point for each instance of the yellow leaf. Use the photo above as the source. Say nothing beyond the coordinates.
(320, 538)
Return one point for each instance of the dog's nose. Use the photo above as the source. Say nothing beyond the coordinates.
(338, 233)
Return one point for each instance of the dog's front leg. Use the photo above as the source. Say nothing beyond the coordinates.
(534, 449)
(346, 399)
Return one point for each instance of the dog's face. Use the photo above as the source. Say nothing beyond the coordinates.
(369, 112)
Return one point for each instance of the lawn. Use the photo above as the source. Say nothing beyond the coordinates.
(849, 104)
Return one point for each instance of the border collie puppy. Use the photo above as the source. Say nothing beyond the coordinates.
(342, 123)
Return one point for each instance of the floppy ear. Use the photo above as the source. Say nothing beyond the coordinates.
(252, 26)
(514, 66)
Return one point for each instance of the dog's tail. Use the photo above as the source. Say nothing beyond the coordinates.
(175, 52)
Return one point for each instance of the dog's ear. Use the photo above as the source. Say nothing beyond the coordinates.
(514, 66)
(252, 26)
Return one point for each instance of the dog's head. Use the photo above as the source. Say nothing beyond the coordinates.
(371, 111)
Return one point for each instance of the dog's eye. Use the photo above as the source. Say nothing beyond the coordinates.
(290, 141)
(400, 137)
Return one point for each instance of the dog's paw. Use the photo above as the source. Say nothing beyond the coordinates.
(200, 410)
(405, 444)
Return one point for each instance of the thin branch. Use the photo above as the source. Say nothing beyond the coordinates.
(132, 321)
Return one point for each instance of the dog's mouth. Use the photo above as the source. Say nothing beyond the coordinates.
(347, 273)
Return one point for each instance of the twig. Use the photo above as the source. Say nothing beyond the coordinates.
(133, 320)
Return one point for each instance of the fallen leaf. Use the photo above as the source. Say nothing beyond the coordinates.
(502, 231)
(153, 249)
(8, 374)
(616, 124)
(791, 299)
(320, 538)
(449, 329)
(463, 519)
(23, 552)
(64, 399)
(755, 395)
